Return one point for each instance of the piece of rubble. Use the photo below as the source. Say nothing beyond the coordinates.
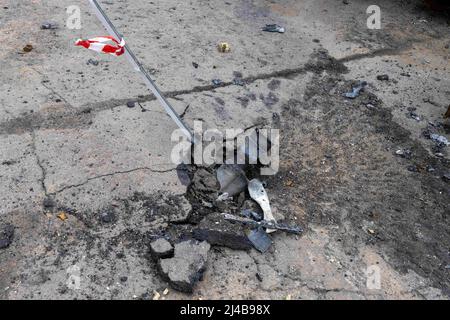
(383, 77)
(49, 25)
(205, 181)
(6, 235)
(356, 90)
(223, 197)
(249, 214)
(27, 48)
(439, 139)
(232, 179)
(62, 216)
(274, 28)
(414, 116)
(218, 231)
(156, 295)
(252, 205)
(260, 239)
(161, 249)
(404, 153)
(224, 47)
(186, 268)
(182, 209)
(107, 216)
(92, 62)
(447, 114)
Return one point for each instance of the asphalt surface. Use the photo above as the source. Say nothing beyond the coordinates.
(69, 143)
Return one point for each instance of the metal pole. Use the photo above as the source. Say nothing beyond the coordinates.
(138, 67)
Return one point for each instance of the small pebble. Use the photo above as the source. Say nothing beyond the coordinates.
(28, 48)
(383, 77)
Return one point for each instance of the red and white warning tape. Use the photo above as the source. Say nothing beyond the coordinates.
(99, 44)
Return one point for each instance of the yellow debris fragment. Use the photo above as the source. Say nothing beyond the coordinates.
(224, 47)
(62, 216)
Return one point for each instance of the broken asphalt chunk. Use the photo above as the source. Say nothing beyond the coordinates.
(6, 235)
(217, 231)
(186, 268)
(260, 239)
(232, 179)
(356, 90)
(161, 249)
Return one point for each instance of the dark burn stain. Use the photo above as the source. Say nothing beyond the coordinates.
(56, 120)
(320, 61)
(397, 210)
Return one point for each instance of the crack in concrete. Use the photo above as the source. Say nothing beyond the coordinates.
(39, 163)
(321, 292)
(185, 111)
(110, 175)
(53, 91)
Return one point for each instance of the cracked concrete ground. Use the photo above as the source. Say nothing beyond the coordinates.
(66, 134)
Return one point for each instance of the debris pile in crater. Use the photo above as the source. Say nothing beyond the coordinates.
(228, 210)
